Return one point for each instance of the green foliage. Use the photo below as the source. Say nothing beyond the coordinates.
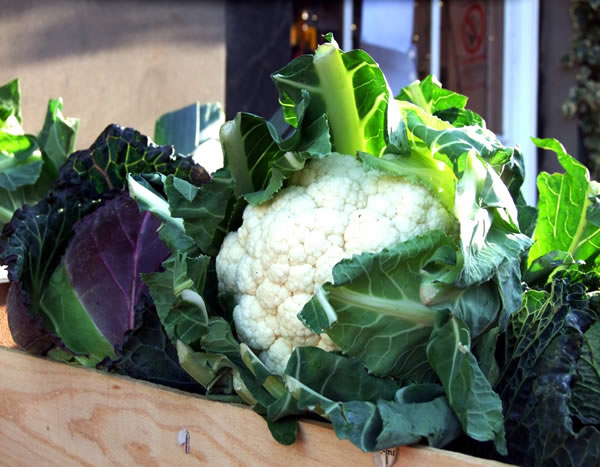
(349, 88)
(549, 378)
(567, 231)
(37, 237)
(398, 377)
(148, 353)
(28, 164)
(469, 393)
(566, 207)
(260, 160)
(586, 392)
(443, 103)
(583, 101)
(377, 302)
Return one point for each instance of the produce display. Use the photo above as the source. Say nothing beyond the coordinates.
(374, 265)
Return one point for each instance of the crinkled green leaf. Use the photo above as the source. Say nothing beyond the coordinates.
(443, 103)
(204, 368)
(20, 159)
(29, 172)
(352, 418)
(121, 151)
(382, 306)
(469, 393)
(581, 450)
(347, 378)
(220, 340)
(218, 363)
(542, 269)
(547, 416)
(372, 422)
(430, 96)
(183, 320)
(195, 218)
(19, 165)
(476, 193)
(543, 344)
(487, 216)
(202, 208)
(420, 130)
(150, 198)
(586, 392)
(478, 306)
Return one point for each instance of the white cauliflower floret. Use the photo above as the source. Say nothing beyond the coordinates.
(334, 208)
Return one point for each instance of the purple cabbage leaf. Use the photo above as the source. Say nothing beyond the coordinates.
(91, 297)
(82, 248)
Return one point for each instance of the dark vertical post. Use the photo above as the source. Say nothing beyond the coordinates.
(257, 35)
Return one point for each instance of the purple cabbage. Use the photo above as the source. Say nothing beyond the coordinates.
(110, 249)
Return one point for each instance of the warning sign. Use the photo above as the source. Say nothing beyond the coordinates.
(472, 54)
(473, 29)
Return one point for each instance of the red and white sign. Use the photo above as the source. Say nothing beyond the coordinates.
(472, 29)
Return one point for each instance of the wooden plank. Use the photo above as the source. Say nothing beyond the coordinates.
(6, 339)
(56, 414)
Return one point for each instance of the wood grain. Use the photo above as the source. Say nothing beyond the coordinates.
(6, 339)
(55, 414)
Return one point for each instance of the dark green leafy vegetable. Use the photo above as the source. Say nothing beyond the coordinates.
(38, 236)
(149, 355)
(544, 376)
(548, 356)
(91, 297)
(586, 392)
(387, 330)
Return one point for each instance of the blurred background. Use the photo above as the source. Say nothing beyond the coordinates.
(527, 66)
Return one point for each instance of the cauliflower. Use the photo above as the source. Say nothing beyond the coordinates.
(332, 209)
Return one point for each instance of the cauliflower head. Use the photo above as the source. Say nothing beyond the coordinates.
(332, 209)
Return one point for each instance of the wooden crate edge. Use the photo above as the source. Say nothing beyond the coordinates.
(53, 412)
